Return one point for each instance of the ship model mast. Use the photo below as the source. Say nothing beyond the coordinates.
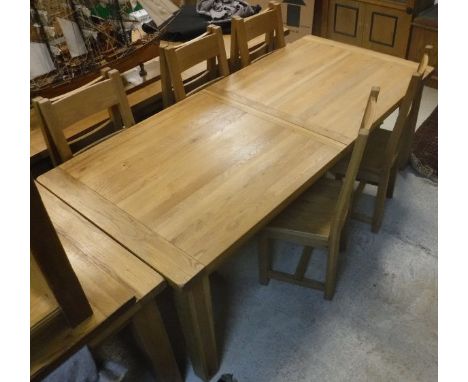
(72, 40)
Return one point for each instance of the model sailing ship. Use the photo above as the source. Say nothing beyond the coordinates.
(71, 40)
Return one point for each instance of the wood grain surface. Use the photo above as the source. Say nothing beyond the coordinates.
(202, 175)
(112, 279)
(321, 85)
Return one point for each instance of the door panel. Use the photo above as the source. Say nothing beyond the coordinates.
(345, 22)
(386, 30)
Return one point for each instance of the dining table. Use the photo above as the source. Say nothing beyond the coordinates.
(183, 189)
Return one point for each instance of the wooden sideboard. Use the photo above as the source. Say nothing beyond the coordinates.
(380, 25)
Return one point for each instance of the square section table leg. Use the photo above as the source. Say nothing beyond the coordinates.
(195, 311)
(150, 333)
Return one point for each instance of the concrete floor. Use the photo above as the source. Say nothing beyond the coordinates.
(381, 325)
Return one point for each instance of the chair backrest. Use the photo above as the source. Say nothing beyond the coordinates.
(61, 112)
(269, 22)
(175, 60)
(407, 114)
(53, 263)
(346, 193)
(423, 64)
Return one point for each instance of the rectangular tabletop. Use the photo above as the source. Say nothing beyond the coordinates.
(321, 85)
(183, 187)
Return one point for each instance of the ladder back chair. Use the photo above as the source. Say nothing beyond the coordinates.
(175, 60)
(106, 92)
(243, 30)
(317, 219)
(383, 154)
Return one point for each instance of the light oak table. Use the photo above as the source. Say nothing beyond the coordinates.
(120, 288)
(184, 188)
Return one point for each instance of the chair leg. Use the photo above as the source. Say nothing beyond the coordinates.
(301, 268)
(264, 258)
(391, 182)
(344, 237)
(379, 206)
(150, 333)
(332, 265)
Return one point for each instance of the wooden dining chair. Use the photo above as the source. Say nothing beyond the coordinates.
(107, 92)
(317, 219)
(381, 160)
(175, 60)
(243, 30)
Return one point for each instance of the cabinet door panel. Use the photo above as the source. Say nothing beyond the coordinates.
(386, 30)
(345, 22)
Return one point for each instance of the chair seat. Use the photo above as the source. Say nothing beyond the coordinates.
(373, 159)
(310, 216)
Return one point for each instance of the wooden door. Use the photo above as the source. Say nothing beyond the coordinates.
(346, 21)
(386, 29)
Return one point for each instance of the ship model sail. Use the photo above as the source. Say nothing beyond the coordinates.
(71, 40)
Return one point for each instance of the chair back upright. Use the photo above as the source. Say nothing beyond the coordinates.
(423, 64)
(50, 257)
(407, 115)
(346, 192)
(175, 60)
(392, 150)
(269, 23)
(61, 112)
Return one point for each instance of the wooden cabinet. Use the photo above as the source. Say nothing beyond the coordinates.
(381, 25)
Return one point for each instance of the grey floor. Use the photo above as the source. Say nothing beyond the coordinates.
(381, 325)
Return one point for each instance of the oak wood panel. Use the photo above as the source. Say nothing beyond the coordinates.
(321, 85)
(112, 278)
(202, 174)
